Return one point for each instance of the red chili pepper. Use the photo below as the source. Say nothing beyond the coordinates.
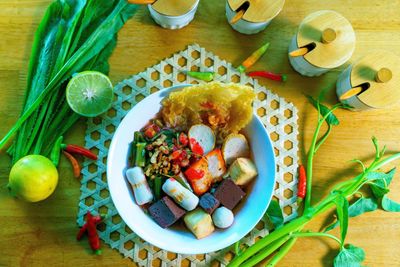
(75, 164)
(183, 139)
(302, 182)
(90, 228)
(74, 149)
(193, 174)
(195, 146)
(151, 130)
(82, 231)
(93, 237)
(268, 75)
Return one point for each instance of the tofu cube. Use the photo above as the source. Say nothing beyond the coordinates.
(199, 223)
(242, 171)
(199, 177)
(216, 164)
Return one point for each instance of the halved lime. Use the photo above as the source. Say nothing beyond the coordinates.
(89, 93)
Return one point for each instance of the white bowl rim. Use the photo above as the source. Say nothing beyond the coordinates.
(157, 242)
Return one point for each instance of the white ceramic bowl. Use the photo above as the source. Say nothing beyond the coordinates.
(176, 240)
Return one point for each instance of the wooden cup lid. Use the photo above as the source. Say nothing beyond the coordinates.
(333, 36)
(258, 10)
(381, 69)
(174, 7)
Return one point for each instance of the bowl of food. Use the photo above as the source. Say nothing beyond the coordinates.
(191, 169)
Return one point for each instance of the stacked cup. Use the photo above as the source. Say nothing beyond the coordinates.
(325, 40)
(371, 82)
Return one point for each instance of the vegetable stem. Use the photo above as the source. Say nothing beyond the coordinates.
(316, 234)
(140, 154)
(265, 253)
(267, 240)
(311, 154)
(282, 252)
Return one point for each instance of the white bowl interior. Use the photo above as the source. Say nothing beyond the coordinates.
(178, 240)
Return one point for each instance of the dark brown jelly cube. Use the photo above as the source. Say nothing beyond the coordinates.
(209, 203)
(229, 194)
(165, 212)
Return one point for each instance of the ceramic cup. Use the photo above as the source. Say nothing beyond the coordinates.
(242, 25)
(173, 22)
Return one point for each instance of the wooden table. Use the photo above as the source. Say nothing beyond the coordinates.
(43, 234)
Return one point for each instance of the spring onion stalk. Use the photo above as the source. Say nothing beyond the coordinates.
(140, 159)
(266, 252)
(73, 36)
(282, 252)
(157, 187)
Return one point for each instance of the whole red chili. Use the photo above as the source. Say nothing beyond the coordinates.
(82, 231)
(268, 75)
(74, 149)
(302, 183)
(93, 237)
(90, 228)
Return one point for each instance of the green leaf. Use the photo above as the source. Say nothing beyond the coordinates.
(362, 205)
(390, 205)
(342, 209)
(349, 256)
(359, 207)
(331, 119)
(274, 214)
(380, 182)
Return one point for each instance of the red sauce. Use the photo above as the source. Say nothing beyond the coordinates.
(195, 146)
(193, 174)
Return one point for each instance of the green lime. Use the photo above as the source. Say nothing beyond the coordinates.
(90, 93)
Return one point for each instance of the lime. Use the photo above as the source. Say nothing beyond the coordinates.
(33, 178)
(89, 93)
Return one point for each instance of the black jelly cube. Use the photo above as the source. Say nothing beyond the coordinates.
(209, 203)
(165, 212)
(229, 194)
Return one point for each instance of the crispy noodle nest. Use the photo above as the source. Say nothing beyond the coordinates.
(226, 108)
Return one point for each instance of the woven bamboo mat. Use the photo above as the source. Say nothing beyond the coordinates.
(278, 116)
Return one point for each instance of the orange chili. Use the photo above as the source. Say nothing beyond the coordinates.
(75, 164)
(251, 60)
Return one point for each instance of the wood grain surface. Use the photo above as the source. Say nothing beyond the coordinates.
(43, 234)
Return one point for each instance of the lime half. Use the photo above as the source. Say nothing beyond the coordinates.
(89, 93)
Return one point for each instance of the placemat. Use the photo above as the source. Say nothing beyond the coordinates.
(278, 116)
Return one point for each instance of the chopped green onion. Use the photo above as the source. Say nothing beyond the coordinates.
(140, 157)
(157, 187)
